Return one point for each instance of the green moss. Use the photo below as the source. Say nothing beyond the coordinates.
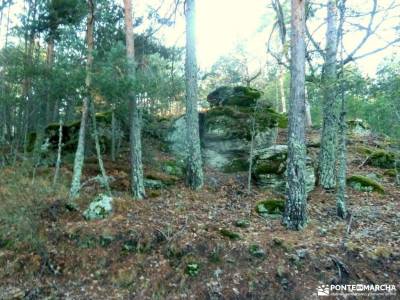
(257, 251)
(164, 178)
(270, 207)
(173, 167)
(382, 159)
(237, 121)
(237, 165)
(364, 150)
(238, 96)
(274, 165)
(230, 234)
(362, 183)
(242, 223)
(390, 173)
(192, 269)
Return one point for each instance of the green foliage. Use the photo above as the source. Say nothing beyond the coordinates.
(390, 173)
(229, 234)
(257, 251)
(192, 269)
(365, 184)
(270, 207)
(382, 159)
(242, 223)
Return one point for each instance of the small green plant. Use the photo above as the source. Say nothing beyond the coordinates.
(270, 207)
(192, 269)
(242, 223)
(257, 251)
(230, 234)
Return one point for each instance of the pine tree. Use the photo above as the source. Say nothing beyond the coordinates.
(295, 215)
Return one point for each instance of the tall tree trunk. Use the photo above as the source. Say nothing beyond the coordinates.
(295, 215)
(308, 112)
(194, 175)
(341, 196)
(327, 166)
(342, 158)
(113, 133)
(49, 61)
(59, 150)
(98, 149)
(137, 182)
(80, 151)
(282, 88)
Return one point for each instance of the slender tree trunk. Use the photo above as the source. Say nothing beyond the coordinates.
(194, 175)
(113, 133)
(308, 112)
(251, 154)
(59, 151)
(98, 150)
(342, 157)
(295, 215)
(80, 151)
(327, 167)
(137, 182)
(49, 61)
(341, 196)
(282, 88)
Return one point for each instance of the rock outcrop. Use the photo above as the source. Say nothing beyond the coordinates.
(228, 128)
(270, 169)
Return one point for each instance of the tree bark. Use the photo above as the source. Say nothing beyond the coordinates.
(137, 182)
(194, 175)
(113, 133)
(80, 151)
(295, 215)
(282, 88)
(59, 150)
(327, 167)
(98, 150)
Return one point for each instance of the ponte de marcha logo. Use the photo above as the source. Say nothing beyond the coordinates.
(356, 290)
(323, 290)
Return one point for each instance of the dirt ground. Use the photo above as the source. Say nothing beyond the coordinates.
(170, 246)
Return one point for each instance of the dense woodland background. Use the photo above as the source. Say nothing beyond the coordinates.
(126, 171)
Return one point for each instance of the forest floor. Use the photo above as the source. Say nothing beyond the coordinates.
(170, 246)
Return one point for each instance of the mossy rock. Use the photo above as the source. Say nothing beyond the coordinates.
(274, 165)
(382, 159)
(236, 122)
(70, 132)
(364, 150)
(390, 173)
(173, 167)
(165, 179)
(270, 207)
(238, 96)
(242, 223)
(230, 234)
(236, 165)
(257, 251)
(365, 184)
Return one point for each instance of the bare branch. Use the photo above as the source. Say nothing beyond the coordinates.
(367, 33)
(373, 52)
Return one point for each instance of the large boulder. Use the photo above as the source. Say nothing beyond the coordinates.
(226, 131)
(70, 133)
(358, 128)
(99, 208)
(270, 169)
